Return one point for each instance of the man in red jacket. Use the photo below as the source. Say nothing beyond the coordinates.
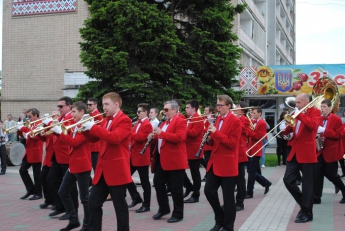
(141, 162)
(79, 169)
(170, 162)
(302, 156)
(222, 168)
(242, 156)
(254, 172)
(32, 157)
(195, 128)
(113, 168)
(331, 132)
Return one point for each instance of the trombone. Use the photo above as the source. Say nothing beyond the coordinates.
(9, 129)
(39, 130)
(29, 123)
(87, 118)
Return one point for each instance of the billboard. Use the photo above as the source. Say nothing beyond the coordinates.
(35, 7)
(290, 79)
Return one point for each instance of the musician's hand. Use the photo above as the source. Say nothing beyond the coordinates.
(85, 116)
(25, 135)
(157, 131)
(321, 129)
(212, 128)
(87, 125)
(282, 126)
(150, 136)
(56, 129)
(296, 110)
(47, 120)
(20, 125)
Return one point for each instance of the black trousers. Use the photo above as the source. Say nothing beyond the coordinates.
(69, 181)
(94, 159)
(97, 197)
(36, 188)
(46, 189)
(330, 171)
(224, 217)
(3, 158)
(145, 184)
(54, 178)
(194, 166)
(305, 197)
(254, 174)
(176, 180)
(342, 166)
(241, 184)
(281, 150)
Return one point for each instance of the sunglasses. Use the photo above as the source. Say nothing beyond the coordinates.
(60, 106)
(138, 112)
(220, 105)
(90, 104)
(166, 109)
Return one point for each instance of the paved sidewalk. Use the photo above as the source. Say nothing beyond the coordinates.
(274, 211)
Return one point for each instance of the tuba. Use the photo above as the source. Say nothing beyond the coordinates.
(329, 89)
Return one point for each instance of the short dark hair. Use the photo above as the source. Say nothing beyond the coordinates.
(79, 105)
(227, 99)
(155, 109)
(281, 117)
(258, 109)
(193, 103)
(145, 107)
(94, 100)
(242, 105)
(327, 101)
(34, 111)
(210, 108)
(67, 100)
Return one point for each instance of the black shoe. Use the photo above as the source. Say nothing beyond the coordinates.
(44, 205)
(336, 189)
(216, 228)
(35, 197)
(84, 229)
(159, 215)
(248, 196)
(64, 217)
(304, 218)
(134, 203)
(342, 175)
(192, 200)
(56, 212)
(267, 187)
(2, 173)
(298, 183)
(342, 201)
(239, 208)
(142, 209)
(187, 192)
(317, 201)
(299, 214)
(53, 207)
(26, 195)
(173, 220)
(71, 226)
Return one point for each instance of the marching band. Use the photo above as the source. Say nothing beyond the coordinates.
(77, 142)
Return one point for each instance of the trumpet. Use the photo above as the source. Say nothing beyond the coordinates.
(39, 130)
(9, 129)
(250, 121)
(85, 119)
(29, 123)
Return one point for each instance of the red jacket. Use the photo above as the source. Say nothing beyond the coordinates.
(173, 154)
(333, 145)
(49, 149)
(303, 145)
(255, 135)
(95, 146)
(34, 146)
(242, 147)
(61, 148)
(138, 142)
(113, 158)
(194, 136)
(224, 156)
(79, 157)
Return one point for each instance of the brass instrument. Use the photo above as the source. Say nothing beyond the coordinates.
(29, 123)
(206, 135)
(324, 88)
(319, 142)
(242, 108)
(55, 123)
(9, 129)
(85, 119)
(250, 121)
(134, 120)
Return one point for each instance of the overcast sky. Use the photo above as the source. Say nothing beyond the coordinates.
(320, 33)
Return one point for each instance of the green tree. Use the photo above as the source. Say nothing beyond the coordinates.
(149, 52)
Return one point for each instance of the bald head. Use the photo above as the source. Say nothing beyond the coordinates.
(302, 100)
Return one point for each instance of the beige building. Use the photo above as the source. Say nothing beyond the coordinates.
(40, 44)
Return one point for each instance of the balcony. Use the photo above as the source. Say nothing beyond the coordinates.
(251, 45)
(283, 51)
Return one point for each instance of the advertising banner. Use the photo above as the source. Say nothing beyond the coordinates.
(289, 80)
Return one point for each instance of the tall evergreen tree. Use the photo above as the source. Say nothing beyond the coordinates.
(152, 52)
